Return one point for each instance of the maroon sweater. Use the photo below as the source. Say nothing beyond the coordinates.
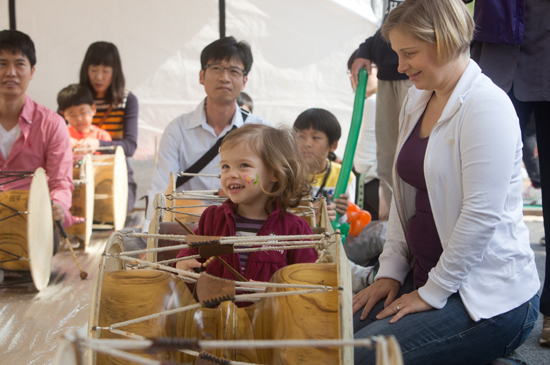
(220, 221)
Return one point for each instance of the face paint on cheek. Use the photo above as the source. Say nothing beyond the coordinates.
(249, 180)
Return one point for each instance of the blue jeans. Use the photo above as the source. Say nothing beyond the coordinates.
(448, 335)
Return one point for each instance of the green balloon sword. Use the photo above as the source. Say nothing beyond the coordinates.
(351, 146)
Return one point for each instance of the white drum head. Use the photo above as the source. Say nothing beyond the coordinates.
(88, 167)
(115, 245)
(40, 230)
(120, 189)
(66, 354)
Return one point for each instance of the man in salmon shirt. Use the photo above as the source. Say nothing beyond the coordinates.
(31, 135)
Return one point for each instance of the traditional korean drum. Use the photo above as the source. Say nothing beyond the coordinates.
(26, 228)
(111, 189)
(121, 295)
(83, 199)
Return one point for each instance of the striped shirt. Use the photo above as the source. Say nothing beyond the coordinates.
(114, 124)
(246, 227)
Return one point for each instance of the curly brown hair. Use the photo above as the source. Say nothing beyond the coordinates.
(279, 152)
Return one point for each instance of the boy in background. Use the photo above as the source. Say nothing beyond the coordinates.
(245, 102)
(76, 104)
(319, 131)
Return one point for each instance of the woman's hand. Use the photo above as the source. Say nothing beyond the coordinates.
(368, 297)
(188, 265)
(406, 304)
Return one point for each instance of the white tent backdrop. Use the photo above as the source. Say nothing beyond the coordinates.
(300, 52)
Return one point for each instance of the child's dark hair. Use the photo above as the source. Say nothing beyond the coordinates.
(106, 54)
(323, 121)
(278, 150)
(15, 41)
(245, 99)
(74, 95)
(352, 58)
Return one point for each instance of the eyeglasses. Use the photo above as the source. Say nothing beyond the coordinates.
(217, 69)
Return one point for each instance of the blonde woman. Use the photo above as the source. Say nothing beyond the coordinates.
(457, 282)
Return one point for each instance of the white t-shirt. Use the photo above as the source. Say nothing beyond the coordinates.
(7, 139)
(365, 154)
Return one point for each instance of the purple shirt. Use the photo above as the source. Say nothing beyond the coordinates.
(422, 235)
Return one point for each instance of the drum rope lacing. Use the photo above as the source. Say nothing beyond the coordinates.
(181, 173)
(18, 258)
(17, 212)
(243, 284)
(82, 149)
(318, 241)
(11, 174)
(118, 347)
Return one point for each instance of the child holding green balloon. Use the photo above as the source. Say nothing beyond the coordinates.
(319, 131)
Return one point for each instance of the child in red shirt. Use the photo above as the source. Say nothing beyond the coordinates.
(77, 106)
(263, 175)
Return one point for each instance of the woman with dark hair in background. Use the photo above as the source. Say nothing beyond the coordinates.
(117, 108)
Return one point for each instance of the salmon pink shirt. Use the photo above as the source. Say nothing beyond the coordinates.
(43, 142)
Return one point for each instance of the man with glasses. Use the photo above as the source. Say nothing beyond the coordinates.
(185, 144)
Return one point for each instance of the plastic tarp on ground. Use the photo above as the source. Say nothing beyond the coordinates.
(300, 52)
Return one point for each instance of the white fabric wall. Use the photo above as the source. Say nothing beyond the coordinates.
(300, 52)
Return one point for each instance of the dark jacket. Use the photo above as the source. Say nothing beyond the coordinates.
(499, 21)
(379, 51)
(220, 221)
(524, 66)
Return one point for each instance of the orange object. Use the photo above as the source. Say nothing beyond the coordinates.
(357, 218)
(365, 217)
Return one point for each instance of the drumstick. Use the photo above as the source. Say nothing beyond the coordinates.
(185, 227)
(83, 274)
(233, 271)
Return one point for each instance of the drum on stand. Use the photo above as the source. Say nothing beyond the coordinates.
(111, 189)
(26, 229)
(83, 199)
(122, 295)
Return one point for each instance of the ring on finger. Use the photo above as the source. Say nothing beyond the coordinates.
(397, 307)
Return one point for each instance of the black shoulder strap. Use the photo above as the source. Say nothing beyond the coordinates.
(322, 187)
(208, 156)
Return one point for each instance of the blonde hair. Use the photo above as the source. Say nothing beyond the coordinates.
(446, 23)
(278, 150)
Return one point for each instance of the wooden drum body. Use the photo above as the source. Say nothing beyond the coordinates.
(29, 234)
(83, 200)
(120, 295)
(111, 189)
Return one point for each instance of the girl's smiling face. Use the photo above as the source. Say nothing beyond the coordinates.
(243, 172)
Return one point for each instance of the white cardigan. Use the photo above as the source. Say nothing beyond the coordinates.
(473, 174)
